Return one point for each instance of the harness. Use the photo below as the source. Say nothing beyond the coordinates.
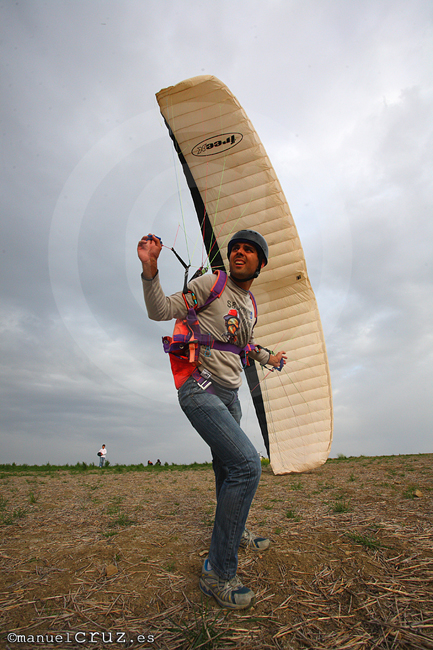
(185, 345)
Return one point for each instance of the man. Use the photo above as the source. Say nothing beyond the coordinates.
(102, 453)
(213, 406)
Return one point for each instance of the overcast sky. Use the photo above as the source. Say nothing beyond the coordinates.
(340, 93)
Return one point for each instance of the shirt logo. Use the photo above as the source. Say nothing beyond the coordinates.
(232, 325)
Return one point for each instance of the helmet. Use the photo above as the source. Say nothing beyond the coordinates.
(251, 237)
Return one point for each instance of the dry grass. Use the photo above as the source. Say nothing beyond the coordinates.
(350, 567)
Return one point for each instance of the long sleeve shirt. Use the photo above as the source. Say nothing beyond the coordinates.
(229, 318)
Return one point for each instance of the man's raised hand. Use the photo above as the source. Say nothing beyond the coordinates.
(149, 249)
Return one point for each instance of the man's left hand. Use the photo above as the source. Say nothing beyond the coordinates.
(275, 359)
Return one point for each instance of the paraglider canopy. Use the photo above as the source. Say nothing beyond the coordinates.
(235, 190)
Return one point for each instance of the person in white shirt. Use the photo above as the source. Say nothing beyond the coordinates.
(102, 453)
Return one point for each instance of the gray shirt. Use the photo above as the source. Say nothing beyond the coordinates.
(229, 318)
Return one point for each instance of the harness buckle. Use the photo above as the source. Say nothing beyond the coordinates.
(204, 379)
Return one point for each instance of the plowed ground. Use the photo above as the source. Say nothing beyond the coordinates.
(96, 558)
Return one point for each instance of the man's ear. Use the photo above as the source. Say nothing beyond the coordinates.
(262, 264)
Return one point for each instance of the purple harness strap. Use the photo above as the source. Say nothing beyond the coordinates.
(179, 343)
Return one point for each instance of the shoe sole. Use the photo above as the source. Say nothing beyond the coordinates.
(208, 592)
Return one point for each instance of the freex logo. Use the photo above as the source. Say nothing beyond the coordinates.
(216, 144)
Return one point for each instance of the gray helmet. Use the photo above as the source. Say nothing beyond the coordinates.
(250, 237)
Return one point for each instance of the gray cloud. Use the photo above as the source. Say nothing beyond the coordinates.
(341, 95)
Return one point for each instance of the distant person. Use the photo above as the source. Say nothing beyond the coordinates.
(149, 462)
(102, 453)
(158, 462)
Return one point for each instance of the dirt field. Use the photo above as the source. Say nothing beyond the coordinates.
(106, 558)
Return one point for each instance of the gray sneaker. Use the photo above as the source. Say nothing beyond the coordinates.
(227, 593)
(251, 540)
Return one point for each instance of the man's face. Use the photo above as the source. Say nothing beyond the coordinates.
(243, 261)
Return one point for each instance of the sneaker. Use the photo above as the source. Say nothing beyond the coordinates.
(227, 593)
(251, 540)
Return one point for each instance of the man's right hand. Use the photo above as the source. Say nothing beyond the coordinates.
(149, 248)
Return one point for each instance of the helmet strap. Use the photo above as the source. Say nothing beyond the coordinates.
(257, 273)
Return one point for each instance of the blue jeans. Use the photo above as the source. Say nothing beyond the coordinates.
(236, 465)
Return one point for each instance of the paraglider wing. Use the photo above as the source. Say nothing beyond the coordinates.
(234, 187)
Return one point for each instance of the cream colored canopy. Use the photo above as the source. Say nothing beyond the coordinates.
(234, 187)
